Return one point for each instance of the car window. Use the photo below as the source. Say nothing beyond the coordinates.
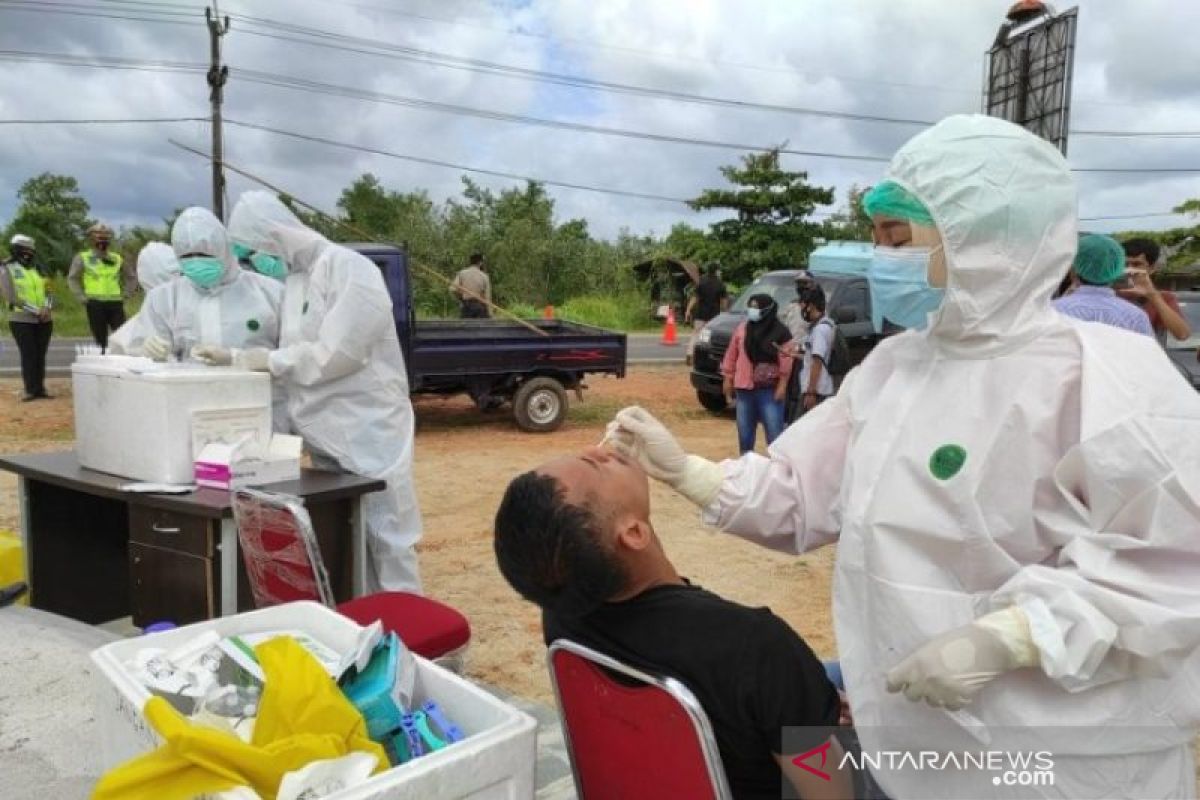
(782, 289)
(1191, 312)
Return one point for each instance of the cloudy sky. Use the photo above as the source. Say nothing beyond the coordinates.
(1136, 70)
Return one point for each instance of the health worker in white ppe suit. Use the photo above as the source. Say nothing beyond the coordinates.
(215, 303)
(341, 366)
(156, 264)
(1015, 494)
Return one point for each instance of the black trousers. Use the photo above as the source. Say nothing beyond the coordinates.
(474, 309)
(104, 316)
(33, 341)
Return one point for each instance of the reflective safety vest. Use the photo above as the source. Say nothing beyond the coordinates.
(101, 281)
(29, 284)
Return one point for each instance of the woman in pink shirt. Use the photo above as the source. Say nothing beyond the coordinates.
(756, 367)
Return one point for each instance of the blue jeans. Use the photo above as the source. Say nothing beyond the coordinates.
(755, 406)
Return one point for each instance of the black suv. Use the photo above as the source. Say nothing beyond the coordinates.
(848, 303)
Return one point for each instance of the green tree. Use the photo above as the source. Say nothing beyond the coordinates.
(771, 227)
(53, 212)
(852, 223)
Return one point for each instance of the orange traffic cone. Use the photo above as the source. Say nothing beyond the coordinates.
(669, 329)
(548, 312)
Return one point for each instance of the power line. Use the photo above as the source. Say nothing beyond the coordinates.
(329, 39)
(125, 121)
(450, 164)
(300, 84)
(384, 49)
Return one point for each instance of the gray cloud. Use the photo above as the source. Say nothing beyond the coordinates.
(917, 59)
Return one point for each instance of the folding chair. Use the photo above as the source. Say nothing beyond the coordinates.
(284, 564)
(631, 735)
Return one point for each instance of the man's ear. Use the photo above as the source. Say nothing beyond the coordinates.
(634, 534)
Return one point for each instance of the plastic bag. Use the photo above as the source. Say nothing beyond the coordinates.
(12, 561)
(302, 718)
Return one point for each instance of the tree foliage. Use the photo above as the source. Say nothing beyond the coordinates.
(771, 227)
(53, 212)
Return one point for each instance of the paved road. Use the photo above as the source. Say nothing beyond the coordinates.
(644, 348)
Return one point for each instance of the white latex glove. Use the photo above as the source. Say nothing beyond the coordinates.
(212, 355)
(156, 348)
(255, 359)
(949, 670)
(637, 435)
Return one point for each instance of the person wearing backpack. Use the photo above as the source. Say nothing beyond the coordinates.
(816, 377)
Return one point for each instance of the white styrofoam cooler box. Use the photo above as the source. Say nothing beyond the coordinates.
(134, 418)
(494, 762)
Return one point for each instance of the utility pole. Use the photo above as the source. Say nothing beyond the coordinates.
(217, 75)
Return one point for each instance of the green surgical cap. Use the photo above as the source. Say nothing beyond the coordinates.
(1100, 260)
(893, 200)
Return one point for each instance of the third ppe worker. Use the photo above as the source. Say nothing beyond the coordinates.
(156, 265)
(215, 302)
(102, 281)
(1015, 494)
(340, 363)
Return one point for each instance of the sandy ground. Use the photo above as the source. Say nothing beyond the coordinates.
(465, 459)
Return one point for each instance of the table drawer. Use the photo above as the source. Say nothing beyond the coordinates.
(171, 530)
(170, 586)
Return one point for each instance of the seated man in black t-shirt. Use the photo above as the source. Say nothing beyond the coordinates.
(575, 538)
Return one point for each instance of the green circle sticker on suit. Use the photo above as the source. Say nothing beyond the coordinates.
(946, 461)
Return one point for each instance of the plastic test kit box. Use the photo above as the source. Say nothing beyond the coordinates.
(494, 762)
(133, 418)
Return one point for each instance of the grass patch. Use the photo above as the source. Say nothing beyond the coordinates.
(70, 317)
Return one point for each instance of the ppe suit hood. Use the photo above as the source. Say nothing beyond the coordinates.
(197, 231)
(156, 264)
(261, 222)
(1004, 203)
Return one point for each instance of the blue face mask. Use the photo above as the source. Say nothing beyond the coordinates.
(900, 289)
(203, 271)
(269, 265)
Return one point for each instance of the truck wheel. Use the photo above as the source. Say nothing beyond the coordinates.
(540, 405)
(716, 403)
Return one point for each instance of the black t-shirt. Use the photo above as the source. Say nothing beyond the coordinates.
(750, 671)
(709, 294)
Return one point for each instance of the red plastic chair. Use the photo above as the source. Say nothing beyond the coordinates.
(631, 735)
(283, 563)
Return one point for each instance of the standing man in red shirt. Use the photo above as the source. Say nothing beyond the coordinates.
(1141, 260)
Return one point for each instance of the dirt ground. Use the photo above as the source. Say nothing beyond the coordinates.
(465, 459)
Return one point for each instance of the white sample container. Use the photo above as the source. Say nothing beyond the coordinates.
(494, 762)
(133, 418)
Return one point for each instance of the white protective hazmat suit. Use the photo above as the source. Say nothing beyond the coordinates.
(340, 362)
(1078, 500)
(243, 310)
(156, 265)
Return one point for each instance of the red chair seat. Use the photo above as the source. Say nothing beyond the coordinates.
(429, 628)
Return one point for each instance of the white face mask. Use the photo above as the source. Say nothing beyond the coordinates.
(754, 314)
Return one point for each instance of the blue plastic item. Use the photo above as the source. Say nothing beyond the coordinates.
(158, 627)
(408, 743)
(446, 729)
(842, 258)
(371, 690)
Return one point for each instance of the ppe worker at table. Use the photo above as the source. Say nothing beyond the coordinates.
(216, 302)
(156, 265)
(340, 363)
(1015, 494)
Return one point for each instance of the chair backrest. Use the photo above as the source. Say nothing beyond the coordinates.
(632, 735)
(279, 549)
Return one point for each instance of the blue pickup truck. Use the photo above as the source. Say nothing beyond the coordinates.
(496, 361)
